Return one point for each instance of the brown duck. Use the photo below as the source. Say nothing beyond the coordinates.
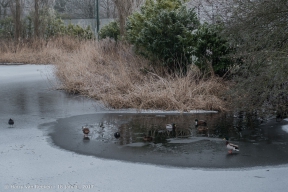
(86, 131)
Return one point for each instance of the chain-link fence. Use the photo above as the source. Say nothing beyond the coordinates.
(86, 22)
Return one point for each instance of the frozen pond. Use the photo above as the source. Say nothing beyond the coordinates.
(263, 145)
(35, 155)
(33, 101)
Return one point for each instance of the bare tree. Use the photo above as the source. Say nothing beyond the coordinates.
(107, 9)
(17, 19)
(125, 8)
(36, 18)
(258, 31)
(39, 5)
(16, 7)
(4, 4)
(81, 8)
(60, 6)
(212, 11)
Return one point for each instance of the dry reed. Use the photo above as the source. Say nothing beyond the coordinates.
(113, 74)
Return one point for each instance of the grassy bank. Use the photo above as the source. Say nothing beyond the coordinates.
(114, 74)
(36, 51)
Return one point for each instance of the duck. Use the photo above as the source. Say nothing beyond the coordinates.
(202, 129)
(147, 138)
(11, 122)
(200, 122)
(171, 127)
(231, 146)
(86, 131)
(117, 135)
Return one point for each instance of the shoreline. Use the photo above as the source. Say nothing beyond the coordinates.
(177, 152)
(28, 159)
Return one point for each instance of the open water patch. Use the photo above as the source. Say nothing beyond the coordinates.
(188, 146)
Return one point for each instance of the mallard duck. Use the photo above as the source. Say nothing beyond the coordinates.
(231, 146)
(171, 127)
(117, 135)
(200, 122)
(202, 129)
(11, 122)
(147, 138)
(86, 131)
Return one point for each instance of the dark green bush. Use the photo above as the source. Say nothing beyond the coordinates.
(212, 49)
(112, 30)
(6, 28)
(163, 31)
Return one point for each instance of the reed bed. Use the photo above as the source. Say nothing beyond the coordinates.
(112, 73)
(36, 51)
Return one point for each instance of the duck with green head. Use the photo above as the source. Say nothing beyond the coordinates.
(230, 146)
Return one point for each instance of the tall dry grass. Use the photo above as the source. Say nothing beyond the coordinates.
(36, 51)
(113, 74)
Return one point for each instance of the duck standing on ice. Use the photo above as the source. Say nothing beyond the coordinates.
(86, 131)
(231, 146)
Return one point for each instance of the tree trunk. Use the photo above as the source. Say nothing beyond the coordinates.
(210, 67)
(36, 19)
(125, 8)
(108, 11)
(121, 12)
(5, 12)
(17, 20)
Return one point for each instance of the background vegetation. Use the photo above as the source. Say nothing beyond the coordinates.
(162, 32)
(258, 32)
(164, 54)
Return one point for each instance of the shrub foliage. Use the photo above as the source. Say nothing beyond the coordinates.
(163, 31)
(212, 51)
(112, 30)
(50, 25)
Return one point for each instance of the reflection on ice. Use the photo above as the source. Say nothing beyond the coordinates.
(285, 128)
